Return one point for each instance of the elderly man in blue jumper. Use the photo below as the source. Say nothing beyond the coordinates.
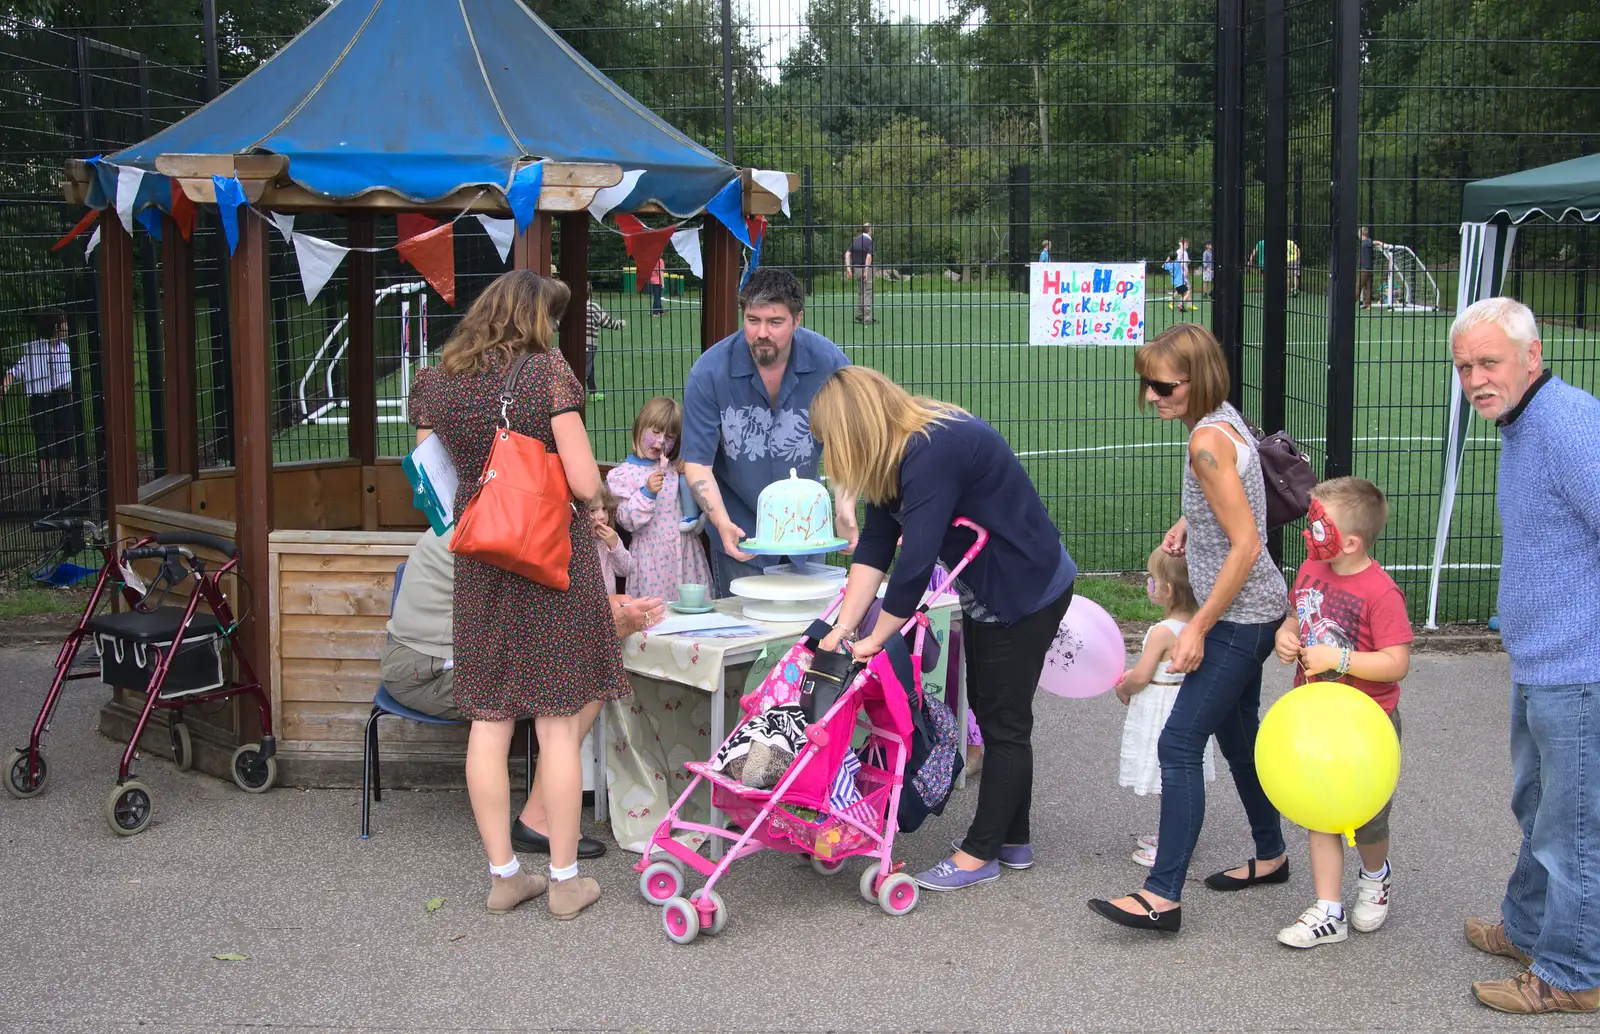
(1549, 503)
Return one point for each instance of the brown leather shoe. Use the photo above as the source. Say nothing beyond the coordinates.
(1526, 993)
(507, 892)
(1491, 937)
(569, 897)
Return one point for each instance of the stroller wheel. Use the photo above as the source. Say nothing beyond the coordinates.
(127, 810)
(869, 884)
(21, 783)
(661, 882)
(182, 747)
(681, 920)
(898, 895)
(719, 918)
(825, 867)
(251, 771)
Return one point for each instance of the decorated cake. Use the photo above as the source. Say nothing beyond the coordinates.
(794, 516)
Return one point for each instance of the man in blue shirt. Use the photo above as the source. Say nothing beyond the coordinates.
(747, 418)
(1044, 250)
(1548, 497)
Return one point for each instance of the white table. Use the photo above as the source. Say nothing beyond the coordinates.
(703, 663)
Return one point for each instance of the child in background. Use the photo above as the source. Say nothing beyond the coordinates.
(599, 319)
(615, 560)
(1149, 688)
(1208, 268)
(666, 547)
(1347, 623)
(1180, 282)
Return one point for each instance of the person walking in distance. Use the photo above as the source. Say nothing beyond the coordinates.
(1364, 269)
(858, 264)
(45, 371)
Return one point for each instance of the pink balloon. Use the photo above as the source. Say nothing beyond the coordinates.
(1088, 655)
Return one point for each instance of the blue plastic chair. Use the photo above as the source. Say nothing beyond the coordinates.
(385, 704)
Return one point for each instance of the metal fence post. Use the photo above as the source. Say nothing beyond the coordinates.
(808, 230)
(727, 80)
(155, 359)
(1228, 322)
(97, 397)
(1020, 201)
(1275, 229)
(1345, 144)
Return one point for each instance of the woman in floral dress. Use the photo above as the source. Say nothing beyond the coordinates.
(522, 649)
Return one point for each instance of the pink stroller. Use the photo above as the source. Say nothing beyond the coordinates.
(813, 809)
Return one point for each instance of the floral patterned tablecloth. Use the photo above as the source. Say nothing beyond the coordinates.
(667, 721)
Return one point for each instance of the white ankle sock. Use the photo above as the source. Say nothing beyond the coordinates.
(508, 869)
(1333, 908)
(564, 874)
(1380, 874)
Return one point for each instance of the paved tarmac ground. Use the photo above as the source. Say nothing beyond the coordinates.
(102, 934)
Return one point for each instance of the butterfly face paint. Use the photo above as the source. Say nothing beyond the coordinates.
(1322, 536)
(655, 440)
(1150, 590)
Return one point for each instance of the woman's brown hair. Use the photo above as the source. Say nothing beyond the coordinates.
(660, 414)
(1190, 351)
(517, 313)
(864, 421)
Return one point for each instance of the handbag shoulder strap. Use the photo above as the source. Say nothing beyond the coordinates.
(511, 383)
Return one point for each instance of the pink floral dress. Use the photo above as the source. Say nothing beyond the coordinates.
(663, 556)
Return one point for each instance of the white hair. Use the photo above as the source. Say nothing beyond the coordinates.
(1510, 315)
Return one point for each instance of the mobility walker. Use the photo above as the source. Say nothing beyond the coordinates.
(804, 813)
(172, 654)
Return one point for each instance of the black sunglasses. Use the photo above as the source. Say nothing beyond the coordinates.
(1162, 388)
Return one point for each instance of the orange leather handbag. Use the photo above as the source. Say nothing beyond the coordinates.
(520, 517)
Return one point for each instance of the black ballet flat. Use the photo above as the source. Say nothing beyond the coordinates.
(1149, 919)
(1222, 881)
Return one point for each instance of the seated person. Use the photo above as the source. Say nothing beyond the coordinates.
(417, 663)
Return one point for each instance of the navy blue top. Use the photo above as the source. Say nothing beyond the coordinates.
(731, 425)
(964, 468)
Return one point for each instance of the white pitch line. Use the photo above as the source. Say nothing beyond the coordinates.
(1180, 445)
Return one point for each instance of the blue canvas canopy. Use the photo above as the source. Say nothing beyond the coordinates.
(424, 97)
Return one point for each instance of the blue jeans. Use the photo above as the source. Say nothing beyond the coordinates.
(1552, 905)
(725, 569)
(1221, 698)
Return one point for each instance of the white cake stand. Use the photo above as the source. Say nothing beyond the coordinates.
(793, 592)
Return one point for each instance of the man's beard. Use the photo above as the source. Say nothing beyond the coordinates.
(766, 355)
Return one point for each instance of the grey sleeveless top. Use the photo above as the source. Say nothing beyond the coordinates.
(1264, 596)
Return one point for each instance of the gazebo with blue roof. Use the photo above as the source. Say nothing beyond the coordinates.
(380, 107)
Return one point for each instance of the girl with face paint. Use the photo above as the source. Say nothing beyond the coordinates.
(665, 548)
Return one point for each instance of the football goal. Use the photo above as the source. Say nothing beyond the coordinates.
(1407, 286)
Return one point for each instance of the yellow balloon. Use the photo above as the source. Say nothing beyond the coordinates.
(1328, 757)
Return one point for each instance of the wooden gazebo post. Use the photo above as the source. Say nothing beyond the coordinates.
(252, 432)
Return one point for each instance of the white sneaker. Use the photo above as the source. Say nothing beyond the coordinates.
(1149, 840)
(1314, 927)
(1372, 902)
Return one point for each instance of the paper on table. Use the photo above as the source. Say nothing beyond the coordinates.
(679, 623)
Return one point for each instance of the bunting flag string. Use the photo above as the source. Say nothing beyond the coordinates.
(433, 254)
(318, 260)
(140, 198)
(83, 224)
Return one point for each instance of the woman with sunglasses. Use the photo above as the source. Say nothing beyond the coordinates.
(1184, 376)
(918, 464)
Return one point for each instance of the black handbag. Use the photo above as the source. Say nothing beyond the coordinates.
(822, 686)
(1288, 476)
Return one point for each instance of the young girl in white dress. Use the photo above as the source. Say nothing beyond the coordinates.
(1149, 689)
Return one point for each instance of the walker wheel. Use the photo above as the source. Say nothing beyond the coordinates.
(898, 895)
(182, 747)
(127, 810)
(719, 918)
(660, 882)
(826, 867)
(251, 771)
(681, 920)
(20, 782)
(869, 881)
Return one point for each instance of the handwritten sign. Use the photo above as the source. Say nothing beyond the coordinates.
(1086, 303)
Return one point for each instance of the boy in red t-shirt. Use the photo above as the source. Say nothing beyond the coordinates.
(1347, 623)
